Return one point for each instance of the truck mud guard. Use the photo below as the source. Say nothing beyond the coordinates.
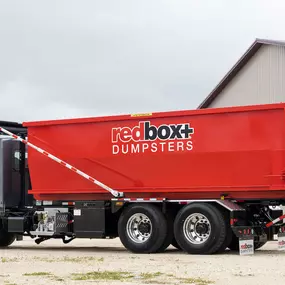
(61, 162)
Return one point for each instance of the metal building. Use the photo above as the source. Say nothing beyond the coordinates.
(257, 78)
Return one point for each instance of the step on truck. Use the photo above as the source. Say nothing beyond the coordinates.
(201, 180)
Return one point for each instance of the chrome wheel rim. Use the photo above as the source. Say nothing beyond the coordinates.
(197, 228)
(139, 228)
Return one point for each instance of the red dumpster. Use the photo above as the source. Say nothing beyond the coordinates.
(235, 152)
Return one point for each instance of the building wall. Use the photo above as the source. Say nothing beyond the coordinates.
(260, 81)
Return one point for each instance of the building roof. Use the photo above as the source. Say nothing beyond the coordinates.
(251, 51)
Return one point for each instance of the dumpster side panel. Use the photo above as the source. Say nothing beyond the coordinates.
(180, 155)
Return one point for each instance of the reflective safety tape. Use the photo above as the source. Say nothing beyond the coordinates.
(139, 199)
(68, 203)
(275, 221)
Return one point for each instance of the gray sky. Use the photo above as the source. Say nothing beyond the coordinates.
(66, 59)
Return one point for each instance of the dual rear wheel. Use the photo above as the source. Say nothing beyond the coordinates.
(144, 229)
(201, 229)
(198, 228)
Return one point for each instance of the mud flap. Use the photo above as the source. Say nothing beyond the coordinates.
(246, 239)
(246, 246)
(281, 239)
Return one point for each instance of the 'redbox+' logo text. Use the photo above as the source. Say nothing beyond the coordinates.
(146, 137)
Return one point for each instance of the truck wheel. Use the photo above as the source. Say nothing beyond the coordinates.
(6, 238)
(234, 244)
(143, 228)
(170, 235)
(229, 233)
(200, 229)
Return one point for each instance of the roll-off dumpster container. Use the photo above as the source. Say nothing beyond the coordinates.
(233, 152)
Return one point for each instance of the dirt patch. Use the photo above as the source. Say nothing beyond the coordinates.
(107, 262)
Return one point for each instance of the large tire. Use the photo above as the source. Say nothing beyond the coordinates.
(143, 228)
(6, 238)
(229, 233)
(234, 244)
(204, 219)
(170, 235)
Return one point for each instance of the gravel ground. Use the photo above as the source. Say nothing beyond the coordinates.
(107, 262)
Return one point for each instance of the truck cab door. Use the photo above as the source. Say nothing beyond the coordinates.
(10, 173)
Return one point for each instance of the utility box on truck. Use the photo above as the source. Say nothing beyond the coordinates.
(199, 180)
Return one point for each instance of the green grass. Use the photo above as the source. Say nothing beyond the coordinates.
(157, 282)
(6, 259)
(55, 278)
(147, 277)
(38, 274)
(44, 274)
(102, 275)
(71, 259)
(81, 259)
(196, 281)
(150, 275)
